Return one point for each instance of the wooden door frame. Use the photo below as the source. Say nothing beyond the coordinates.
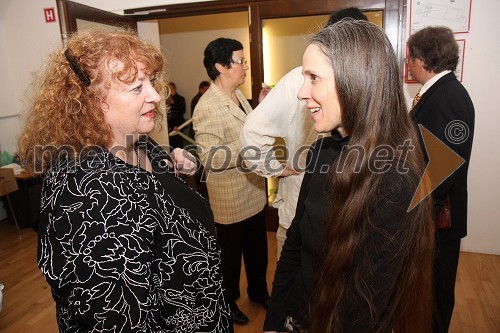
(394, 14)
(394, 19)
(70, 11)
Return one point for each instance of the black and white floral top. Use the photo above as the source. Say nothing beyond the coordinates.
(125, 250)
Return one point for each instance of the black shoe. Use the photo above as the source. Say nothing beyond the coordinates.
(263, 302)
(239, 317)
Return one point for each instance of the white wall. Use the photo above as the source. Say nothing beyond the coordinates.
(150, 30)
(184, 39)
(284, 41)
(290, 33)
(25, 41)
(480, 77)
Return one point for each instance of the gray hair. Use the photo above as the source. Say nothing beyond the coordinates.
(366, 73)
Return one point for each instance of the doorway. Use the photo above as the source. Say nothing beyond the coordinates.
(183, 41)
(284, 40)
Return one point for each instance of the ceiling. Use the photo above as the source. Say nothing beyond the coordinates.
(118, 6)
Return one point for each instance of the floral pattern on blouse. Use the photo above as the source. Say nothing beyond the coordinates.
(123, 254)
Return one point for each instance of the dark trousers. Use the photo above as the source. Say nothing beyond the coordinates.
(445, 273)
(247, 238)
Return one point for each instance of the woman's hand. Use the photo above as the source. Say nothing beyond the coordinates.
(287, 171)
(263, 92)
(183, 162)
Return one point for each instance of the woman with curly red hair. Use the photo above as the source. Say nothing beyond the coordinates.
(125, 244)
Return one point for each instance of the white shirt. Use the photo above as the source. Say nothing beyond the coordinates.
(431, 81)
(280, 115)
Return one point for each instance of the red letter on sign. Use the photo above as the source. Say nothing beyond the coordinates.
(50, 15)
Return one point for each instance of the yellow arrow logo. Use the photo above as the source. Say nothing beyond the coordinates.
(443, 161)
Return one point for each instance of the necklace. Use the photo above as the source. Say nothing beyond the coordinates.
(136, 149)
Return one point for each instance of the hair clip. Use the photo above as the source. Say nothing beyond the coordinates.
(73, 63)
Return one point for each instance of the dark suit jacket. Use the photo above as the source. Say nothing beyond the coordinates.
(177, 110)
(194, 101)
(445, 103)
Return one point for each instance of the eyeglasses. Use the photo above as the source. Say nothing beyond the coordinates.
(407, 59)
(241, 61)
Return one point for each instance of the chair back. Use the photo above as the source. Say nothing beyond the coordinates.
(8, 183)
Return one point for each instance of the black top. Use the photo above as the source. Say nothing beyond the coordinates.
(125, 250)
(446, 110)
(296, 271)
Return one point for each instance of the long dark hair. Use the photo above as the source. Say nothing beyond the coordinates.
(374, 114)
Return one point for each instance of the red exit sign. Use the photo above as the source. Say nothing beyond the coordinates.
(50, 15)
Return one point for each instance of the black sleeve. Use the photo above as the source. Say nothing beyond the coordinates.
(193, 105)
(289, 263)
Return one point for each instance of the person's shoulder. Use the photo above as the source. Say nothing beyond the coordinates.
(105, 166)
(208, 105)
(323, 144)
(212, 92)
(72, 171)
(293, 77)
(294, 73)
(196, 97)
(321, 154)
(458, 86)
(333, 141)
(205, 98)
(448, 81)
(448, 89)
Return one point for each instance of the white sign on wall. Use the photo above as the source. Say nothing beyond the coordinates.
(454, 14)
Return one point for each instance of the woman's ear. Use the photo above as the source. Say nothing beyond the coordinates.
(220, 68)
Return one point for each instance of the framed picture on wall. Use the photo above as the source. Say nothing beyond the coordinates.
(408, 77)
(460, 65)
(454, 14)
(407, 74)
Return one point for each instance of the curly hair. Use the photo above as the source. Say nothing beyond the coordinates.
(436, 46)
(66, 110)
